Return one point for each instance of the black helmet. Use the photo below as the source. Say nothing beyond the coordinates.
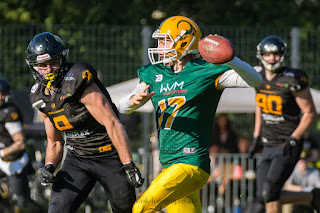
(4, 88)
(44, 47)
(272, 44)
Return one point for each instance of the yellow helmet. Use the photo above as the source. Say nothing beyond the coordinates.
(184, 34)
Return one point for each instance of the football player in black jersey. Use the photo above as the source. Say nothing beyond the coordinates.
(282, 96)
(14, 161)
(72, 100)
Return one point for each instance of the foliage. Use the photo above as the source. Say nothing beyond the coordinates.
(302, 13)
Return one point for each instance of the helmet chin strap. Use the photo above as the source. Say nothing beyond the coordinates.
(51, 78)
(272, 67)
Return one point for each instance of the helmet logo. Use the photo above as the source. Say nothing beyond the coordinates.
(56, 38)
(87, 74)
(53, 105)
(271, 48)
(43, 57)
(191, 31)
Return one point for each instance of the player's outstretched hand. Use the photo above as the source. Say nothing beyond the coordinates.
(141, 97)
(133, 174)
(47, 176)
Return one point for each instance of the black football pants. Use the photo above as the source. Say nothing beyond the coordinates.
(78, 176)
(273, 170)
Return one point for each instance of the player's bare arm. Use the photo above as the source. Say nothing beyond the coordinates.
(54, 151)
(101, 110)
(17, 146)
(305, 102)
(258, 122)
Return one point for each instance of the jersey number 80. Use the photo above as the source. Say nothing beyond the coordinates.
(269, 103)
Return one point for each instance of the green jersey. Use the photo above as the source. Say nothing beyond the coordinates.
(185, 104)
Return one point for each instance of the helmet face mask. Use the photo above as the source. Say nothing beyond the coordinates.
(42, 48)
(184, 35)
(272, 44)
(5, 91)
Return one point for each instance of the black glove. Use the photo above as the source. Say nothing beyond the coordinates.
(47, 176)
(290, 143)
(254, 146)
(133, 174)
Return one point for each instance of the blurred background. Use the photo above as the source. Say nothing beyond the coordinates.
(113, 36)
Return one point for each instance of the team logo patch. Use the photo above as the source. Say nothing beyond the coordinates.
(70, 77)
(159, 78)
(14, 116)
(53, 105)
(87, 74)
(304, 79)
(34, 88)
(105, 148)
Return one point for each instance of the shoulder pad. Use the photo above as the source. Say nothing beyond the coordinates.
(78, 78)
(12, 113)
(258, 68)
(296, 78)
(35, 95)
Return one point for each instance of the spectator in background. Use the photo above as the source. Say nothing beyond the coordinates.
(225, 137)
(310, 147)
(243, 144)
(303, 178)
(14, 162)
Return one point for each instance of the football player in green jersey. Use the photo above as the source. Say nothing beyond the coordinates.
(185, 91)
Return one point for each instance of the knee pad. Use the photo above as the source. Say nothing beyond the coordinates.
(270, 193)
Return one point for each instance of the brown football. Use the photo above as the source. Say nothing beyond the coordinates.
(216, 49)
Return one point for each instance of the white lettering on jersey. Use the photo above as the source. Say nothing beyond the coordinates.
(172, 87)
(78, 134)
(159, 78)
(69, 147)
(272, 119)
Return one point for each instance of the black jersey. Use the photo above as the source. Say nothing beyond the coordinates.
(84, 135)
(280, 112)
(9, 112)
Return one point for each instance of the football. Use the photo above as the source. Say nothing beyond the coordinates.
(216, 49)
